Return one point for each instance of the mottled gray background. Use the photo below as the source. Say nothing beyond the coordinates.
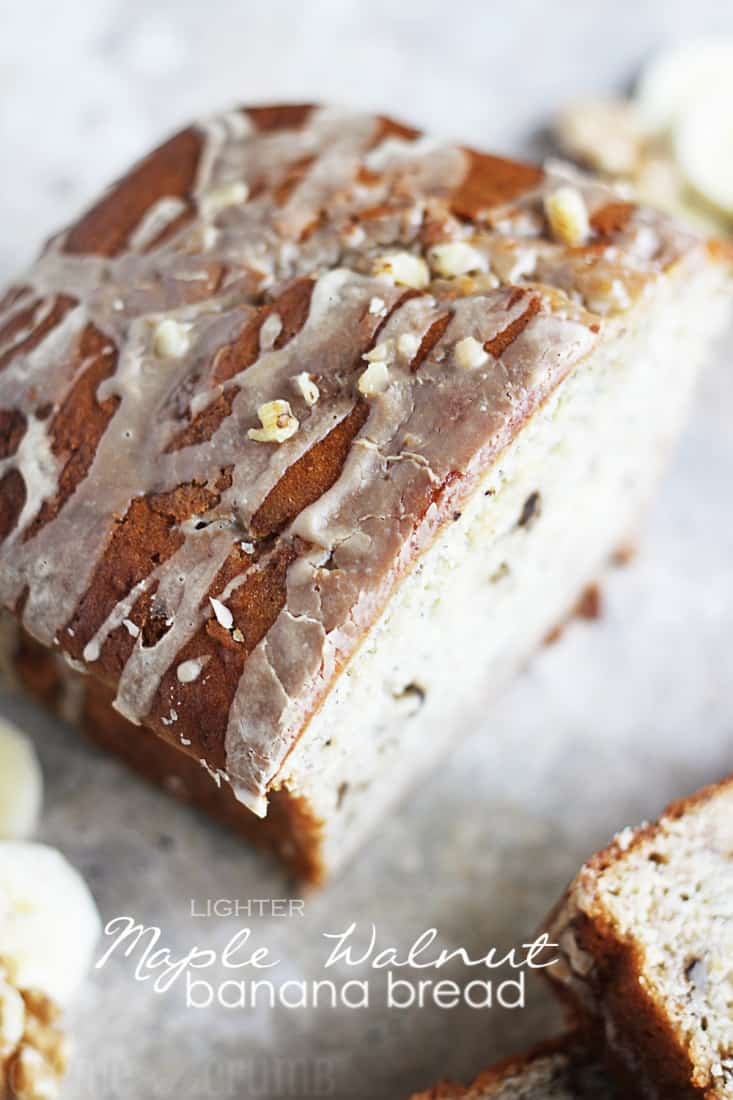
(602, 729)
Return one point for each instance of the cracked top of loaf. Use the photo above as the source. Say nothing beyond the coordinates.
(244, 391)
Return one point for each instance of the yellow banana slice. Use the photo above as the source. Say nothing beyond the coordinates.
(704, 149)
(49, 923)
(678, 77)
(21, 784)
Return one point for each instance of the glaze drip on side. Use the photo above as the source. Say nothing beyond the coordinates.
(263, 251)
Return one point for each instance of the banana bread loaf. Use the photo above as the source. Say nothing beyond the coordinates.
(310, 430)
(646, 938)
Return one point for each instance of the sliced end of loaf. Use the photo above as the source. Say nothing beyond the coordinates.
(646, 935)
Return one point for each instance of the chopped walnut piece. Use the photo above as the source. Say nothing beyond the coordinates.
(470, 353)
(456, 258)
(380, 353)
(34, 1055)
(30, 1077)
(374, 380)
(42, 1031)
(404, 269)
(188, 671)
(568, 216)
(12, 1018)
(219, 198)
(306, 387)
(171, 339)
(408, 345)
(222, 613)
(278, 423)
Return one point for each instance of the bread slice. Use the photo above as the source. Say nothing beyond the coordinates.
(562, 1069)
(310, 430)
(646, 939)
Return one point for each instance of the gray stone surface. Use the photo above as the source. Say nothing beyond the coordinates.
(601, 730)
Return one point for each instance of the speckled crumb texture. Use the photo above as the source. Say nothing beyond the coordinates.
(646, 936)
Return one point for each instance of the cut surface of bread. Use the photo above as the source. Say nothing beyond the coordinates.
(559, 1070)
(646, 938)
(311, 429)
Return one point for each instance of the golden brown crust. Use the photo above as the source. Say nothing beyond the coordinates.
(290, 830)
(147, 535)
(310, 477)
(654, 1054)
(282, 116)
(13, 424)
(612, 218)
(79, 422)
(490, 182)
(504, 339)
(26, 320)
(169, 171)
(12, 496)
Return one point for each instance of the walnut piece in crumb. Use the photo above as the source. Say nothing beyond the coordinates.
(34, 1052)
(278, 423)
(568, 216)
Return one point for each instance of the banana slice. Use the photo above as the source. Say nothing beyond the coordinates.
(678, 77)
(49, 923)
(704, 148)
(21, 784)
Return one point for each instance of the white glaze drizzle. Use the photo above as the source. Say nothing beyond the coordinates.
(370, 522)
